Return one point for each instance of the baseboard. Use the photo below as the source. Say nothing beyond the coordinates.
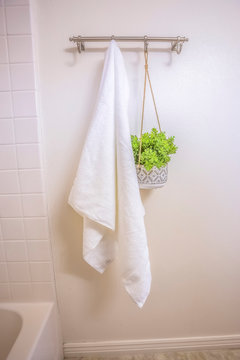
(151, 345)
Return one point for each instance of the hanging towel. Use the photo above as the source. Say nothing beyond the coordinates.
(106, 192)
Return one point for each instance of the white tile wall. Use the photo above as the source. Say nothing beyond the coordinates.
(2, 252)
(24, 103)
(18, 20)
(9, 182)
(6, 131)
(4, 292)
(16, 251)
(3, 50)
(36, 228)
(26, 130)
(20, 49)
(21, 291)
(28, 156)
(26, 268)
(34, 205)
(3, 273)
(8, 157)
(18, 271)
(31, 181)
(13, 229)
(41, 271)
(10, 206)
(39, 250)
(5, 105)
(43, 291)
(2, 21)
(22, 76)
(16, 2)
(5, 78)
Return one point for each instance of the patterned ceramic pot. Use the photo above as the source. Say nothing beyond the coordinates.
(152, 179)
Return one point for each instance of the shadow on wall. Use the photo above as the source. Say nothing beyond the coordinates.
(73, 50)
(70, 237)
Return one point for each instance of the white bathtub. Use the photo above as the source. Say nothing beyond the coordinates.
(29, 331)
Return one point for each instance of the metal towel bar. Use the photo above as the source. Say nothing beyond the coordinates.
(176, 42)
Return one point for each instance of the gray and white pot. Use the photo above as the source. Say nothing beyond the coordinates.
(152, 179)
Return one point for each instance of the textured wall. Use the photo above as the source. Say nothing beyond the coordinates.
(26, 271)
(193, 222)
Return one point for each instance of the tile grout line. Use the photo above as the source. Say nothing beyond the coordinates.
(21, 144)
(17, 90)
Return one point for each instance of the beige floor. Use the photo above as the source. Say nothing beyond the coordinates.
(233, 354)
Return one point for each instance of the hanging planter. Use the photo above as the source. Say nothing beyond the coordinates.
(152, 161)
(152, 150)
(153, 178)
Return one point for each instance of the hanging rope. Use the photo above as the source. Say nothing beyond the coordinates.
(146, 76)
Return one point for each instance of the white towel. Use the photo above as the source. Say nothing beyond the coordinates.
(105, 191)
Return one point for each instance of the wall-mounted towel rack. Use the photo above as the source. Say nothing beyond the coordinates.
(176, 42)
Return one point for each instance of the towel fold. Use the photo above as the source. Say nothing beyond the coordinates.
(105, 191)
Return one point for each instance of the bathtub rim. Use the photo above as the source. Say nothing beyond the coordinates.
(34, 318)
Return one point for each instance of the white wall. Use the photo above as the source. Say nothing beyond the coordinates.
(26, 268)
(193, 223)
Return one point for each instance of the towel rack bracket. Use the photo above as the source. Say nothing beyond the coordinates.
(79, 42)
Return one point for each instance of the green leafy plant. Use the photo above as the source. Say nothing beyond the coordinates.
(156, 148)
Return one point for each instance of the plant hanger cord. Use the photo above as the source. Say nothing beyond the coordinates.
(146, 76)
